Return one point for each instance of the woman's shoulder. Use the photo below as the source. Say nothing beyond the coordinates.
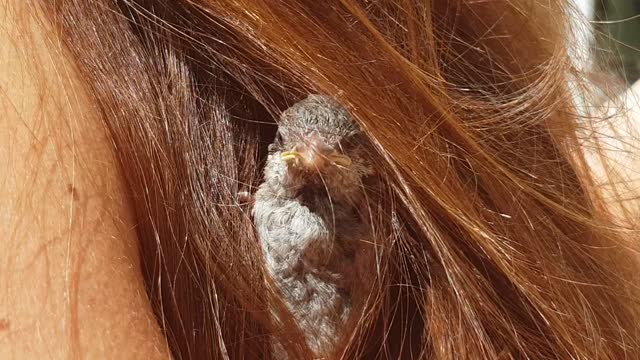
(71, 283)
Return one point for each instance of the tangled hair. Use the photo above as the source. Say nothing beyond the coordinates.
(493, 239)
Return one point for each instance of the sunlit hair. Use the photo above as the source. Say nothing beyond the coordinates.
(492, 239)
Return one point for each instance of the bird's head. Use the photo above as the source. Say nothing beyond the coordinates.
(318, 144)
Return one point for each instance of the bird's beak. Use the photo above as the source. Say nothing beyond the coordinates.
(315, 158)
(290, 155)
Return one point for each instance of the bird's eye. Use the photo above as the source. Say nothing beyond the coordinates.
(347, 143)
(279, 139)
(277, 142)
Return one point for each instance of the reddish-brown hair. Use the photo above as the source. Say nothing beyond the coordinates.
(494, 242)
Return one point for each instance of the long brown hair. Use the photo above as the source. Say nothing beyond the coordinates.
(494, 240)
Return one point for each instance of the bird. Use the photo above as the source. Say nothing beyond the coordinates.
(309, 216)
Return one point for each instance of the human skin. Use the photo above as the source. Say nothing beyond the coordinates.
(70, 280)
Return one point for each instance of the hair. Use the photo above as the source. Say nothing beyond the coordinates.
(493, 237)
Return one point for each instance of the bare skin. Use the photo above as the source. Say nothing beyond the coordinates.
(71, 286)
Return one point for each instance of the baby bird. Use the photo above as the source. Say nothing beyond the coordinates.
(309, 215)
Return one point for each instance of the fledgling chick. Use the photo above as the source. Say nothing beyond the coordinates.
(309, 215)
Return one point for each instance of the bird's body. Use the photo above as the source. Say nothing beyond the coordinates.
(310, 260)
(309, 218)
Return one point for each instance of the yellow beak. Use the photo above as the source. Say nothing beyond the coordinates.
(335, 157)
(290, 155)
